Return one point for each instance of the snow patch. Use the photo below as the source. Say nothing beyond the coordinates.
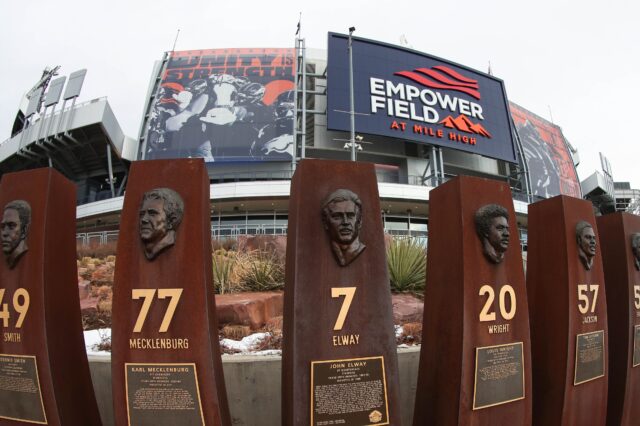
(92, 338)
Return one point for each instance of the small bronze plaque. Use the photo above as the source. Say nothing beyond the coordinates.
(349, 392)
(589, 357)
(20, 393)
(499, 376)
(163, 395)
(636, 345)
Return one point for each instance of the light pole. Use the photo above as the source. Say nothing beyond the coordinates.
(352, 108)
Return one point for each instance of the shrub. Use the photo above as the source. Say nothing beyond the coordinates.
(235, 332)
(224, 263)
(100, 251)
(261, 270)
(411, 334)
(407, 265)
(226, 243)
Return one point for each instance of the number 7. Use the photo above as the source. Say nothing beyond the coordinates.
(147, 295)
(348, 292)
(174, 294)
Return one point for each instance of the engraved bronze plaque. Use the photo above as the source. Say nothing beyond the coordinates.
(636, 345)
(499, 375)
(20, 393)
(349, 392)
(589, 357)
(163, 394)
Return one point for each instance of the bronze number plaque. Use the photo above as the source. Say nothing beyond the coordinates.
(636, 345)
(339, 356)
(475, 361)
(169, 391)
(499, 376)
(44, 373)
(620, 238)
(20, 391)
(589, 357)
(349, 391)
(568, 307)
(166, 367)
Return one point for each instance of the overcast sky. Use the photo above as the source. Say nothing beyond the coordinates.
(576, 61)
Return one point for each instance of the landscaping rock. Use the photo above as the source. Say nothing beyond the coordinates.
(406, 308)
(252, 309)
(89, 305)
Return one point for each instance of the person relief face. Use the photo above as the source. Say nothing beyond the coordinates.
(588, 241)
(343, 222)
(498, 235)
(11, 230)
(153, 221)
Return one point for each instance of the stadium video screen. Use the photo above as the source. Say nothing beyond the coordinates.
(550, 164)
(224, 105)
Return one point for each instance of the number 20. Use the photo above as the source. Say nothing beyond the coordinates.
(505, 290)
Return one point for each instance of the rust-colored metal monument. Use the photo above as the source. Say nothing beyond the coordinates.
(339, 350)
(166, 366)
(620, 238)
(475, 364)
(44, 373)
(568, 302)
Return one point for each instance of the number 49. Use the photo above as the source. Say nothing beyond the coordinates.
(21, 307)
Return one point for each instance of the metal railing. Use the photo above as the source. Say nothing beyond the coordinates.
(226, 232)
(96, 238)
(233, 231)
(250, 176)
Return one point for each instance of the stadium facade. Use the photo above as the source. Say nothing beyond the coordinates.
(253, 114)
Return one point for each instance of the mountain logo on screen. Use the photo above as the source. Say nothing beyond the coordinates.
(463, 124)
(441, 77)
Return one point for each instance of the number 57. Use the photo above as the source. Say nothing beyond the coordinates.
(583, 298)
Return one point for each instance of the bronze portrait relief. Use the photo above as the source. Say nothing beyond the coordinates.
(492, 226)
(15, 223)
(342, 219)
(160, 214)
(635, 249)
(586, 240)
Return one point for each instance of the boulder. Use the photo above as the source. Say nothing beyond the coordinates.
(252, 309)
(406, 308)
(89, 305)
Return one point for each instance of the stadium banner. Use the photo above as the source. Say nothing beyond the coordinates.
(224, 105)
(550, 164)
(413, 96)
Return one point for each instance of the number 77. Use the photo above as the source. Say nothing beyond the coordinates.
(147, 295)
